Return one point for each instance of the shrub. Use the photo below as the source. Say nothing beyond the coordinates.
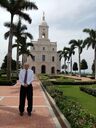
(73, 82)
(89, 91)
(72, 110)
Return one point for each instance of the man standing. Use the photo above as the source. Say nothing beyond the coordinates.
(26, 76)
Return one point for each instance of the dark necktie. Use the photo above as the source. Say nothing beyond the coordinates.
(25, 78)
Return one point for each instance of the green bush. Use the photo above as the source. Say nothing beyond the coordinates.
(5, 81)
(73, 82)
(72, 110)
(43, 76)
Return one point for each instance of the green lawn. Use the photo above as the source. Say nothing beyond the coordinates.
(88, 102)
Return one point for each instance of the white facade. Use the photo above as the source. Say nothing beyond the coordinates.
(45, 57)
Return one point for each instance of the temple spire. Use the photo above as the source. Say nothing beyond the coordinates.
(43, 16)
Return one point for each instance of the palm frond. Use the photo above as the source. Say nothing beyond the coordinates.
(23, 27)
(73, 42)
(28, 5)
(14, 45)
(7, 24)
(27, 34)
(87, 30)
(31, 56)
(24, 16)
(29, 44)
(93, 34)
(6, 35)
(4, 3)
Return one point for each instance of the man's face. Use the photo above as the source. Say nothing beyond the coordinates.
(26, 66)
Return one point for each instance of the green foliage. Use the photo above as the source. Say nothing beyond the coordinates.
(64, 79)
(4, 64)
(43, 76)
(64, 66)
(83, 65)
(73, 111)
(89, 91)
(75, 66)
(93, 68)
(5, 82)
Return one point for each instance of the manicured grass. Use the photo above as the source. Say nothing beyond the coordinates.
(87, 102)
(65, 79)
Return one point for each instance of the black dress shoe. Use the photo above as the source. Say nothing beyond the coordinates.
(29, 113)
(21, 113)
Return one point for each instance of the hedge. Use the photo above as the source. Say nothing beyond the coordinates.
(72, 110)
(73, 82)
(6, 82)
(90, 91)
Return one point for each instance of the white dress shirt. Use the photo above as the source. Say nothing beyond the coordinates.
(30, 76)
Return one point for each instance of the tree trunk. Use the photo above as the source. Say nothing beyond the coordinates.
(24, 59)
(65, 65)
(9, 56)
(79, 62)
(17, 64)
(95, 60)
(71, 64)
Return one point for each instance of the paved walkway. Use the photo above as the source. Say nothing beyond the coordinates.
(42, 115)
(80, 78)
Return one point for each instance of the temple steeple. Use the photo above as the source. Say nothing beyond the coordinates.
(43, 28)
(43, 18)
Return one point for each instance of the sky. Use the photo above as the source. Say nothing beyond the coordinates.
(66, 20)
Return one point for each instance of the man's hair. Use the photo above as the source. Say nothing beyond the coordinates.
(26, 64)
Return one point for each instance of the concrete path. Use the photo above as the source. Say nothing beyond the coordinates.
(42, 115)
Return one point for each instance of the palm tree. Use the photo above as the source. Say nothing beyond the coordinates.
(77, 44)
(91, 40)
(71, 52)
(18, 32)
(24, 51)
(64, 53)
(15, 7)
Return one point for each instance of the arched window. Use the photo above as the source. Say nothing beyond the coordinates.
(52, 49)
(53, 70)
(43, 57)
(53, 58)
(43, 69)
(33, 58)
(43, 48)
(33, 68)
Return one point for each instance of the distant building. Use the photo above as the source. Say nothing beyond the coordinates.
(45, 56)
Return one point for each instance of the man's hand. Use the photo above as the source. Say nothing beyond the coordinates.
(25, 85)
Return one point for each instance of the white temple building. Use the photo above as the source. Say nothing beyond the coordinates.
(45, 56)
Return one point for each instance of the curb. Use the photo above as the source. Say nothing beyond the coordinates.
(53, 115)
(63, 121)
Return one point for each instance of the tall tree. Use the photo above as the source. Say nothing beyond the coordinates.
(77, 44)
(64, 54)
(15, 7)
(83, 65)
(71, 52)
(75, 67)
(18, 32)
(4, 64)
(91, 41)
(23, 49)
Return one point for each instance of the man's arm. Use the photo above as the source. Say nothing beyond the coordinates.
(31, 78)
(21, 78)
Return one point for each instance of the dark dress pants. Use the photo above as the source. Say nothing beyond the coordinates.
(26, 92)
